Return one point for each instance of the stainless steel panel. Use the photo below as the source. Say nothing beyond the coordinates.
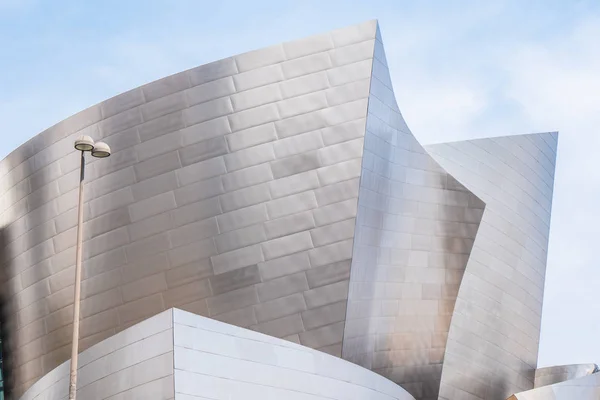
(157, 165)
(157, 127)
(260, 58)
(210, 91)
(192, 252)
(256, 97)
(352, 53)
(247, 177)
(154, 186)
(152, 206)
(212, 71)
(290, 244)
(233, 300)
(120, 122)
(325, 315)
(327, 274)
(198, 191)
(237, 259)
(258, 77)
(289, 225)
(245, 197)
(157, 146)
(251, 137)
(239, 238)
(512, 319)
(206, 111)
(284, 266)
(242, 217)
(400, 245)
(204, 150)
(122, 102)
(187, 293)
(249, 157)
(294, 184)
(164, 87)
(281, 327)
(201, 171)
(280, 307)
(324, 336)
(253, 117)
(295, 283)
(233, 280)
(304, 84)
(306, 65)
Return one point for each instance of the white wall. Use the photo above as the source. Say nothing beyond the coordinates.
(586, 388)
(136, 363)
(218, 361)
(183, 356)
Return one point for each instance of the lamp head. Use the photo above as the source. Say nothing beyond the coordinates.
(101, 150)
(84, 143)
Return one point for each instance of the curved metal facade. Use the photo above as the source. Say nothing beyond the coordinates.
(493, 340)
(232, 193)
(414, 232)
(581, 388)
(561, 373)
(281, 190)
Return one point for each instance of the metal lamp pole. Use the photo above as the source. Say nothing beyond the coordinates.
(101, 150)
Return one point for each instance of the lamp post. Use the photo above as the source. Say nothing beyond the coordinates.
(100, 150)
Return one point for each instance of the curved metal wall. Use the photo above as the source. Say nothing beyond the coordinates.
(232, 193)
(584, 388)
(414, 232)
(560, 373)
(493, 340)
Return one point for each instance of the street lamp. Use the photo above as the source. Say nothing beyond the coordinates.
(100, 150)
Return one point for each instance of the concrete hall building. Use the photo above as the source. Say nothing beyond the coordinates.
(269, 227)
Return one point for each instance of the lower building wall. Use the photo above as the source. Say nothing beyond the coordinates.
(136, 363)
(183, 356)
(223, 362)
(586, 388)
(560, 373)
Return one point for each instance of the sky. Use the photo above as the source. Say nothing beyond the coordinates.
(460, 70)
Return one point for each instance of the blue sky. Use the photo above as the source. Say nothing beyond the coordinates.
(462, 70)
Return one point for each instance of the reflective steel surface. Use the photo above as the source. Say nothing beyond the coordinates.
(231, 193)
(493, 340)
(414, 233)
(583, 388)
(551, 375)
(281, 190)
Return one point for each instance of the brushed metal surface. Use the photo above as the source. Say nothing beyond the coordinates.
(493, 341)
(281, 190)
(561, 373)
(411, 225)
(584, 384)
(210, 196)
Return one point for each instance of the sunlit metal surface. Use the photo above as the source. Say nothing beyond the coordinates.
(493, 341)
(551, 375)
(231, 193)
(584, 388)
(414, 232)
